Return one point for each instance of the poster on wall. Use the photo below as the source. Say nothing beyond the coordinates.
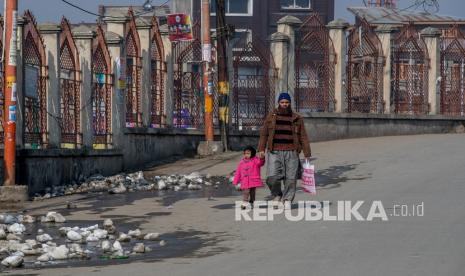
(179, 27)
(31, 81)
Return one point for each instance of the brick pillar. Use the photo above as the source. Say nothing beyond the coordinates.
(115, 40)
(287, 26)
(118, 115)
(337, 33)
(83, 40)
(385, 35)
(144, 30)
(51, 36)
(279, 44)
(168, 81)
(431, 38)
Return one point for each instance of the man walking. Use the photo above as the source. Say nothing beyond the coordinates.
(284, 135)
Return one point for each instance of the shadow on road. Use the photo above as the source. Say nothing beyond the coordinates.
(332, 177)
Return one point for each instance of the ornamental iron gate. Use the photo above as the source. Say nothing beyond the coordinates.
(133, 74)
(158, 64)
(188, 94)
(314, 67)
(70, 89)
(453, 72)
(365, 70)
(35, 77)
(214, 80)
(254, 84)
(410, 72)
(101, 91)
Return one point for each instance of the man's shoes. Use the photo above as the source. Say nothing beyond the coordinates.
(269, 197)
(276, 202)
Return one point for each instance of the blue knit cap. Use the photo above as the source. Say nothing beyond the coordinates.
(284, 96)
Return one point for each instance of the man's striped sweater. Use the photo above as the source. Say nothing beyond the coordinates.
(283, 138)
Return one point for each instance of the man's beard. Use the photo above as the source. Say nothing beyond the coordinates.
(287, 110)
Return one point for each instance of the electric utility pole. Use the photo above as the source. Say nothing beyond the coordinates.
(9, 111)
(206, 59)
(222, 31)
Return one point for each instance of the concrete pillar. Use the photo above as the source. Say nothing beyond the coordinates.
(337, 33)
(83, 40)
(279, 44)
(51, 36)
(20, 86)
(431, 38)
(144, 30)
(168, 85)
(385, 35)
(181, 6)
(118, 115)
(116, 25)
(287, 26)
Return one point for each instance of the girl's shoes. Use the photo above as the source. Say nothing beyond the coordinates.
(244, 205)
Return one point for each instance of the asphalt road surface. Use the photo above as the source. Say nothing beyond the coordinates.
(425, 173)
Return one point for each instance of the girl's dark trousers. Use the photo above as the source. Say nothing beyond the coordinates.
(249, 195)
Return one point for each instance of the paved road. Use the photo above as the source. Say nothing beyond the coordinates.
(394, 170)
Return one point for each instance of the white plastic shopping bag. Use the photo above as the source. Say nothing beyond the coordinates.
(308, 178)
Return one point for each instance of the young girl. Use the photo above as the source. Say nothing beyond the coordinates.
(248, 175)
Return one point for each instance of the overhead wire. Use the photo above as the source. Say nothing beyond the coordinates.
(109, 16)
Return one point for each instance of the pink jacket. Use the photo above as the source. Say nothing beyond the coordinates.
(248, 173)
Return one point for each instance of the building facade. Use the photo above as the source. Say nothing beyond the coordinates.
(258, 18)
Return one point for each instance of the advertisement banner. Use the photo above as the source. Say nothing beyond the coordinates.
(179, 27)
